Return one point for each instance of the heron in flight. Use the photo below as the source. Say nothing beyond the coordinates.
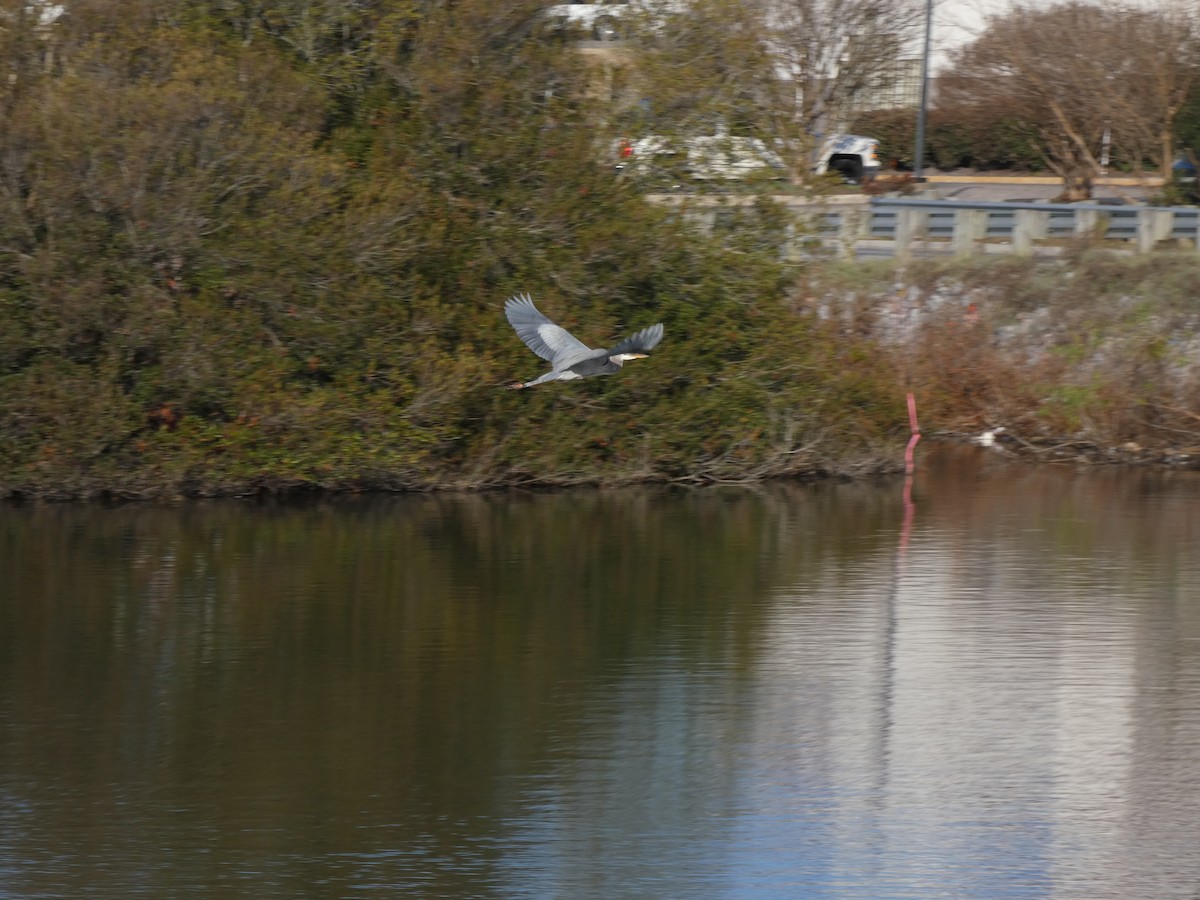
(569, 357)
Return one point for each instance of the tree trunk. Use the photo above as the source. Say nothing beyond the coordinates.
(1077, 185)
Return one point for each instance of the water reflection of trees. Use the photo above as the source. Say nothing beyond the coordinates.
(218, 653)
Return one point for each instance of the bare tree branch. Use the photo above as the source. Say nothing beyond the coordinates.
(1079, 70)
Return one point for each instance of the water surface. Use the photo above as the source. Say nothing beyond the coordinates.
(793, 691)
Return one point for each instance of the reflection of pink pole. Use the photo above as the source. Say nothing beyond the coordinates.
(909, 508)
(916, 435)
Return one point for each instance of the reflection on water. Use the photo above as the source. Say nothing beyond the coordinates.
(641, 693)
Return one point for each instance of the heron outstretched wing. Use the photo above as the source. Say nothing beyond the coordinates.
(642, 342)
(549, 341)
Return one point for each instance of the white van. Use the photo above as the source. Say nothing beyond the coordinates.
(853, 156)
(707, 158)
(725, 157)
(590, 21)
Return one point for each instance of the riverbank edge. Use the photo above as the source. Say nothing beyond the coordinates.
(846, 469)
(882, 464)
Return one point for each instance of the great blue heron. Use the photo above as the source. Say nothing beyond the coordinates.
(569, 357)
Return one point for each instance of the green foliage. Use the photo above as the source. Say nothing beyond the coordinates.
(260, 250)
(955, 137)
(896, 131)
(1187, 123)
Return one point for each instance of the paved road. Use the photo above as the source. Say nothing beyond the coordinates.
(1018, 189)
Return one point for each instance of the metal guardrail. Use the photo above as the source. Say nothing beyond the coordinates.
(964, 227)
(902, 226)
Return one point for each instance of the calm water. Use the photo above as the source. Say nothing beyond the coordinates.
(788, 692)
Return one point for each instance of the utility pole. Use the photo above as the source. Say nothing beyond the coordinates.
(919, 150)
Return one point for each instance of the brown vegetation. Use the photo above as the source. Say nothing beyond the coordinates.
(1093, 356)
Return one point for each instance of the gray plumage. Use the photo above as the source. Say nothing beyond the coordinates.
(569, 357)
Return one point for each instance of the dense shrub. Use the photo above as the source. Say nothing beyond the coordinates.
(271, 251)
(954, 138)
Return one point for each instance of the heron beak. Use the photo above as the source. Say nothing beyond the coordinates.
(625, 357)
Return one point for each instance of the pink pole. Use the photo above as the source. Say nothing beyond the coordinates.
(916, 434)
